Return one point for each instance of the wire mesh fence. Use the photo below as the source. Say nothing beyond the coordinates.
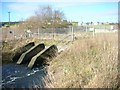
(39, 33)
(51, 33)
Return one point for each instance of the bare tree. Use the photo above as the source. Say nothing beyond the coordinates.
(32, 22)
(57, 17)
(45, 17)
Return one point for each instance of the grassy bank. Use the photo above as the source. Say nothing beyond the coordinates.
(89, 63)
(10, 47)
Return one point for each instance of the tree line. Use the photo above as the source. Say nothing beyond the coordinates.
(46, 17)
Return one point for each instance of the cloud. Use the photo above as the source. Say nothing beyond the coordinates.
(60, 1)
(112, 12)
(104, 16)
(63, 5)
(73, 4)
(22, 7)
(99, 14)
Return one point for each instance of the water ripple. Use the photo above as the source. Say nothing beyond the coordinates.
(18, 76)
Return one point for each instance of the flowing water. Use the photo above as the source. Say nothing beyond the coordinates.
(19, 76)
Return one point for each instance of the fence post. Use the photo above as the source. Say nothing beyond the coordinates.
(93, 33)
(53, 33)
(38, 33)
(86, 28)
(72, 33)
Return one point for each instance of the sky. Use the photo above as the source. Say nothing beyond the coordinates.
(74, 10)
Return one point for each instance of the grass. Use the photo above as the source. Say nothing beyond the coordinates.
(105, 26)
(10, 47)
(89, 63)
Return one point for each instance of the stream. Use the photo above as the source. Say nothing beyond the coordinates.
(19, 76)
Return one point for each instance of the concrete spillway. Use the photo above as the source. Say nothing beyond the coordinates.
(22, 50)
(26, 56)
(35, 55)
(43, 56)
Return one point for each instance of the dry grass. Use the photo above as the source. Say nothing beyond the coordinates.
(89, 63)
(10, 47)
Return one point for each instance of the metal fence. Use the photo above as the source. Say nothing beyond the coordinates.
(48, 33)
(39, 33)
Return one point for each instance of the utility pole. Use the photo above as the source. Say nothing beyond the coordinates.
(9, 17)
(13, 33)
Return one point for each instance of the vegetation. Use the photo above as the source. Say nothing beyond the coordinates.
(9, 48)
(46, 17)
(89, 63)
(100, 26)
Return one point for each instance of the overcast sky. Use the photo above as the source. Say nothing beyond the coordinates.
(75, 10)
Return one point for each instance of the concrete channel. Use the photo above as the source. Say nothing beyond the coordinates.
(26, 56)
(35, 55)
(44, 56)
(22, 50)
